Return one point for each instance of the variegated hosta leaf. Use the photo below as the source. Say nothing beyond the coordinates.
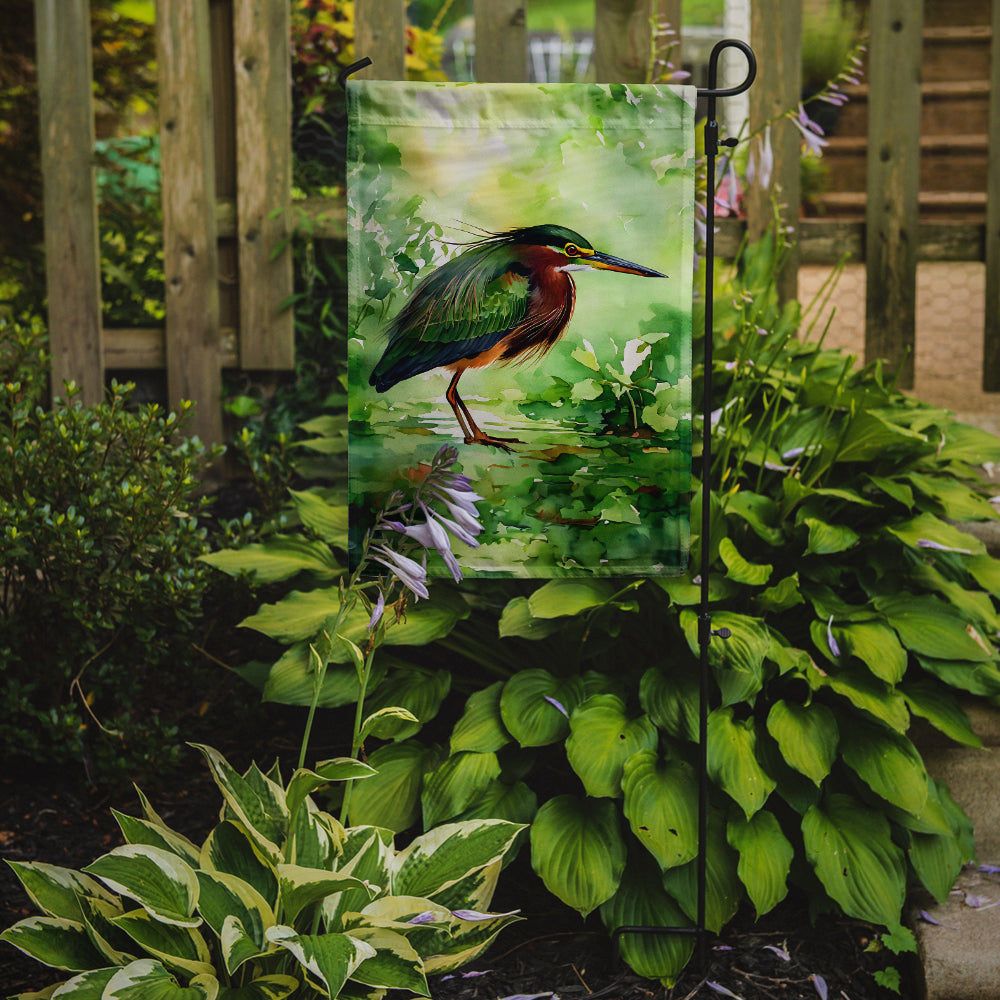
(177, 947)
(304, 782)
(116, 946)
(328, 959)
(602, 737)
(147, 979)
(807, 736)
(481, 727)
(367, 853)
(158, 880)
(395, 964)
(661, 806)
(765, 858)
(225, 897)
(732, 760)
(851, 849)
(54, 941)
(642, 902)
(468, 939)
(456, 784)
(315, 838)
(56, 891)
(578, 851)
(273, 987)
(230, 849)
(86, 986)
(141, 831)
(256, 801)
(441, 857)
(300, 887)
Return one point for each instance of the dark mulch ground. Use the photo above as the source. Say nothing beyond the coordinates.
(550, 952)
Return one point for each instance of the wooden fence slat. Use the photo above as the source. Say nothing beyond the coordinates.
(622, 40)
(501, 41)
(261, 57)
(190, 253)
(892, 214)
(380, 34)
(72, 256)
(776, 35)
(991, 331)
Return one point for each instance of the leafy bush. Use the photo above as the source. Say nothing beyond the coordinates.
(99, 539)
(279, 899)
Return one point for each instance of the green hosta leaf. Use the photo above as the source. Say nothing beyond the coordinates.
(876, 646)
(661, 799)
(141, 831)
(327, 520)
(738, 661)
(850, 848)
(926, 528)
(481, 728)
(723, 889)
(976, 678)
(866, 692)
(180, 948)
(671, 699)
(783, 595)
(937, 859)
(147, 979)
(301, 887)
(517, 620)
(516, 803)
(330, 959)
(456, 784)
(395, 964)
(54, 941)
(226, 898)
(957, 501)
(441, 857)
(559, 598)
(386, 723)
(741, 571)
(417, 690)
(391, 798)
(304, 782)
(159, 881)
(807, 736)
(941, 709)
(299, 615)
(230, 849)
(760, 512)
(641, 901)
(260, 806)
(578, 851)
(888, 763)
(765, 858)
(535, 706)
(931, 628)
(986, 572)
(56, 891)
(602, 738)
(870, 435)
(279, 558)
(732, 760)
(828, 539)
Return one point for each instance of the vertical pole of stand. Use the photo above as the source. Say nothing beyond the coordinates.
(704, 617)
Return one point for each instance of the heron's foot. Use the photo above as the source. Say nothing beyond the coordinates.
(496, 442)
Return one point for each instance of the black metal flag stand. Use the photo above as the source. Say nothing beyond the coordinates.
(705, 630)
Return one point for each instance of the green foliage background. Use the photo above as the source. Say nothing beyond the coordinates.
(605, 418)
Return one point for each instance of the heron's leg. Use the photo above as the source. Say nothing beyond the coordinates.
(471, 431)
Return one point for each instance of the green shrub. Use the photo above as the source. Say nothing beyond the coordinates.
(280, 899)
(99, 539)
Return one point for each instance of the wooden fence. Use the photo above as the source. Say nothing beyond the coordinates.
(226, 162)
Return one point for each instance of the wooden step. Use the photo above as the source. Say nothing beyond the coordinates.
(947, 162)
(956, 53)
(957, 206)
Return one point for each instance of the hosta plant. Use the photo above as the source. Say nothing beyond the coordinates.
(279, 900)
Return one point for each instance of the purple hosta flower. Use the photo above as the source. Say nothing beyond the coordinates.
(475, 915)
(820, 984)
(989, 869)
(377, 611)
(430, 534)
(812, 134)
(831, 642)
(427, 917)
(780, 952)
(727, 197)
(760, 165)
(719, 988)
(465, 975)
(557, 704)
(411, 574)
(927, 543)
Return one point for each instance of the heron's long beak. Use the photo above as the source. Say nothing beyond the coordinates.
(606, 262)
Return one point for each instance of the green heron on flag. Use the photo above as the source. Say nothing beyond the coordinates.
(504, 299)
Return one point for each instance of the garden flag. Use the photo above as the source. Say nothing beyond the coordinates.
(520, 281)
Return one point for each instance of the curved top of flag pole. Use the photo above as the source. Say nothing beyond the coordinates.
(712, 90)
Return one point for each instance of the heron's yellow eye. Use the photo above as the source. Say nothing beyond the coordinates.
(571, 250)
